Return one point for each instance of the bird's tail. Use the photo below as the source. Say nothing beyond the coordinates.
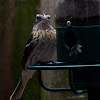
(17, 93)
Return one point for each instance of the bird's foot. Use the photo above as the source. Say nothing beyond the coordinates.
(53, 62)
(47, 63)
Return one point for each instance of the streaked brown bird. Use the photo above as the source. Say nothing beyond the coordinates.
(41, 47)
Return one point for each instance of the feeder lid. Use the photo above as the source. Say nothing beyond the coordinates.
(79, 12)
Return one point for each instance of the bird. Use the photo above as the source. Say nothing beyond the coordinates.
(72, 44)
(40, 48)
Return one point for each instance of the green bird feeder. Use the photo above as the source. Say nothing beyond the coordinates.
(78, 41)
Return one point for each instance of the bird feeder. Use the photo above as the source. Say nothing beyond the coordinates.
(78, 36)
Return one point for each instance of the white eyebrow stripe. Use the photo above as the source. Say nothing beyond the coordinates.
(39, 15)
(42, 15)
(48, 15)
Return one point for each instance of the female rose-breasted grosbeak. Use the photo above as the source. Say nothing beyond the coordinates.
(41, 47)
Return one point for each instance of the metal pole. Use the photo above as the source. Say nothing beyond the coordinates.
(94, 85)
(94, 94)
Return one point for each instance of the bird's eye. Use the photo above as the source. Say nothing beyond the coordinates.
(38, 18)
(48, 17)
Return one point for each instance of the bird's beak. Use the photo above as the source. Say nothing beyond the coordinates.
(45, 20)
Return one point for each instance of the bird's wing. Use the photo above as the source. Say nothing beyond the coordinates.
(30, 45)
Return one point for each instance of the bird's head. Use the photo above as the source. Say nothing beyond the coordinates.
(42, 18)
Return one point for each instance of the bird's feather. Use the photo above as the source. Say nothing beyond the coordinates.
(30, 45)
(26, 75)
